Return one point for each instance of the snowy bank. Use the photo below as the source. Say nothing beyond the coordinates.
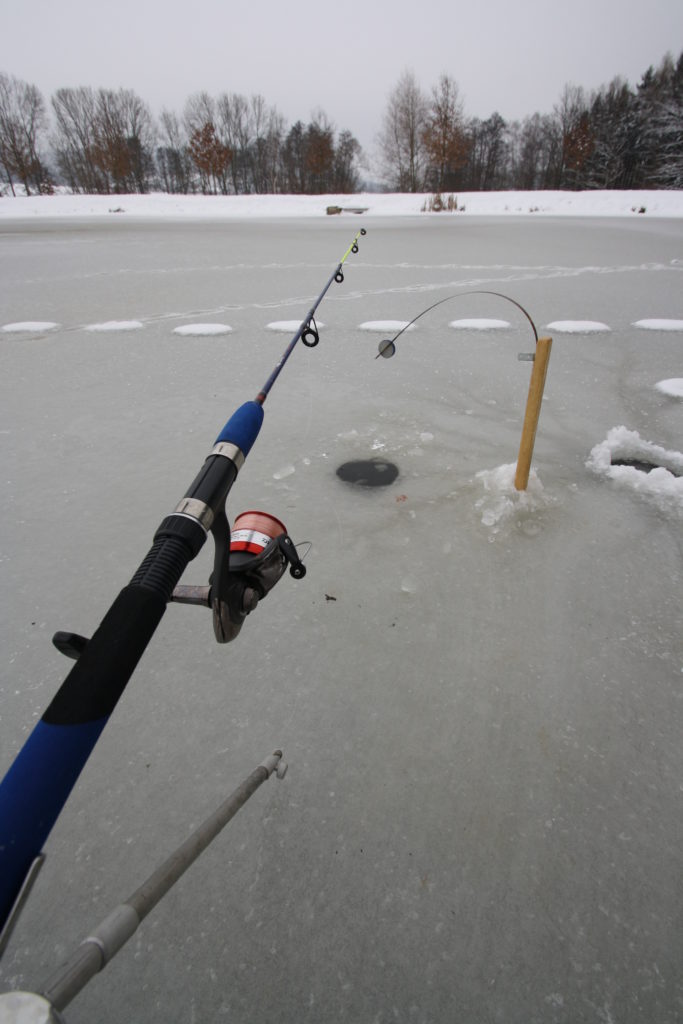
(662, 203)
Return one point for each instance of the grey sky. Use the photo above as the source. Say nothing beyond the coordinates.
(344, 57)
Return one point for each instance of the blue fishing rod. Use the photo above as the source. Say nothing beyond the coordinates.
(47, 767)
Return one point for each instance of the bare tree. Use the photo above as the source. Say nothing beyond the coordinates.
(124, 137)
(103, 140)
(174, 164)
(401, 140)
(211, 157)
(22, 120)
(210, 147)
(75, 142)
(535, 146)
(235, 127)
(487, 154)
(269, 130)
(571, 114)
(444, 135)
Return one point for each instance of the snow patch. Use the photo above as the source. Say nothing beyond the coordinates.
(202, 330)
(672, 387)
(386, 326)
(409, 585)
(659, 325)
(578, 327)
(591, 203)
(479, 324)
(502, 502)
(29, 327)
(115, 325)
(284, 471)
(289, 326)
(662, 486)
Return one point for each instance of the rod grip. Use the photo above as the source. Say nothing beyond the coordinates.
(243, 427)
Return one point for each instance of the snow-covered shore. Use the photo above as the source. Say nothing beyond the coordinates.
(655, 203)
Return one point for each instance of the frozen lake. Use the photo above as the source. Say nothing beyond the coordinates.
(479, 694)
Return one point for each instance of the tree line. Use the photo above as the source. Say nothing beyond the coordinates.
(107, 141)
(613, 138)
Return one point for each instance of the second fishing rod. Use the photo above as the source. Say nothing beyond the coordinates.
(248, 562)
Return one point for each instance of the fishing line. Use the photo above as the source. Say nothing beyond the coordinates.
(387, 348)
(308, 329)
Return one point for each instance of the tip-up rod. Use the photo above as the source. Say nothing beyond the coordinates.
(387, 348)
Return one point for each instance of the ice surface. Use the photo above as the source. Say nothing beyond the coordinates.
(478, 691)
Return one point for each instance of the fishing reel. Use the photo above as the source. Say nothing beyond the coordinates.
(248, 562)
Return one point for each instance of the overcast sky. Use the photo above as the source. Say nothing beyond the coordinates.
(343, 57)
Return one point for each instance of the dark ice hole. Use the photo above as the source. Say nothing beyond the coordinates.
(368, 472)
(639, 464)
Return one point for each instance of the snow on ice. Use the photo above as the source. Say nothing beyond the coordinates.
(386, 326)
(290, 326)
(502, 502)
(114, 325)
(659, 325)
(672, 387)
(578, 327)
(479, 324)
(29, 327)
(663, 485)
(202, 330)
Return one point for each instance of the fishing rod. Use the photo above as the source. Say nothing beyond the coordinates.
(247, 564)
(387, 348)
(308, 331)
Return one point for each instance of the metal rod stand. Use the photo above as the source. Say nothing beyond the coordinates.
(115, 930)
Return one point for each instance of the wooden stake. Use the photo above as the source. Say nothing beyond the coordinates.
(533, 411)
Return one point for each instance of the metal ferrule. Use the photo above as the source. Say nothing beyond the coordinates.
(229, 451)
(192, 508)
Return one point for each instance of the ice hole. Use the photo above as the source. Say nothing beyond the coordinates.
(368, 472)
